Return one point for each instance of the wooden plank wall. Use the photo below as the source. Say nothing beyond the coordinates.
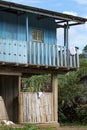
(13, 51)
(3, 111)
(36, 110)
(9, 93)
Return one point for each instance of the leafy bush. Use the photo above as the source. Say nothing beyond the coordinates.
(37, 83)
(81, 112)
(72, 96)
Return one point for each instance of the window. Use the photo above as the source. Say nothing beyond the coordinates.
(37, 35)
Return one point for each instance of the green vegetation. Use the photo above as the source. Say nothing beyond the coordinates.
(37, 83)
(73, 95)
(26, 127)
(72, 100)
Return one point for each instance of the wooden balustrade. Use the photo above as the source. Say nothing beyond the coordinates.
(36, 53)
(52, 55)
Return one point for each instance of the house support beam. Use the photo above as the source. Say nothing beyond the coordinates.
(55, 96)
(26, 27)
(66, 39)
(20, 101)
(27, 39)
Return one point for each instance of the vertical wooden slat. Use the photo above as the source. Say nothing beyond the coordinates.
(65, 57)
(50, 107)
(35, 107)
(58, 56)
(27, 106)
(46, 55)
(30, 52)
(34, 53)
(30, 100)
(42, 53)
(44, 109)
(24, 106)
(77, 57)
(38, 55)
(71, 65)
(49, 54)
(74, 60)
(61, 56)
(53, 55)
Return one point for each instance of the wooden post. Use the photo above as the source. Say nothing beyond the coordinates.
(55, 96)
(27, 38)
(20, 101)
(26, 27)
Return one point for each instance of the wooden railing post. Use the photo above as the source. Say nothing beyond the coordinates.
(77, 58)
(55, 96)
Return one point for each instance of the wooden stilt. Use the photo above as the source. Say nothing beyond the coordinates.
(20, 102)
(55, 96)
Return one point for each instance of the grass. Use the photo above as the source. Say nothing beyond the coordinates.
(26, 127)
(33, 127)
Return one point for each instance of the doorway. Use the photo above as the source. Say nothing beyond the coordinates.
(9, 94)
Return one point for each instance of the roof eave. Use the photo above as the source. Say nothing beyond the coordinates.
(47, 13)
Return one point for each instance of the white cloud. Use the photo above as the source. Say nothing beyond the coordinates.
(70, 13)
(77, 36)
(81, 1)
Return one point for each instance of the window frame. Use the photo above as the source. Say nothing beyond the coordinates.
(37, 31)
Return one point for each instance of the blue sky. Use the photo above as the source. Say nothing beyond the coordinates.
(77, 35)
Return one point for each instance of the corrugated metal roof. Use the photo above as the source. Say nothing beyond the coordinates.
(60, 16)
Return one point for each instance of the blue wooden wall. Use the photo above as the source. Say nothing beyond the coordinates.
(47, 25)
(13, 26)
(13, 33)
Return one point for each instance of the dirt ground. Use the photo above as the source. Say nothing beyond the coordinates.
(65, 128)
(54, 126)
(72, 128)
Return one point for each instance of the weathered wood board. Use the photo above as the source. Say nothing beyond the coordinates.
(37, 109)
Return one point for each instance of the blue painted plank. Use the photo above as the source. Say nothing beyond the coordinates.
(49, 53)
(61, 56)
(54, 55)
(77, 57)
(42, 53)
(71, 59)
(65, 53)
(57, 56)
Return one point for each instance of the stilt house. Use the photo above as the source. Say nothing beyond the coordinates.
(28, 46)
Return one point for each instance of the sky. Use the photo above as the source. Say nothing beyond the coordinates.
(77, 34)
